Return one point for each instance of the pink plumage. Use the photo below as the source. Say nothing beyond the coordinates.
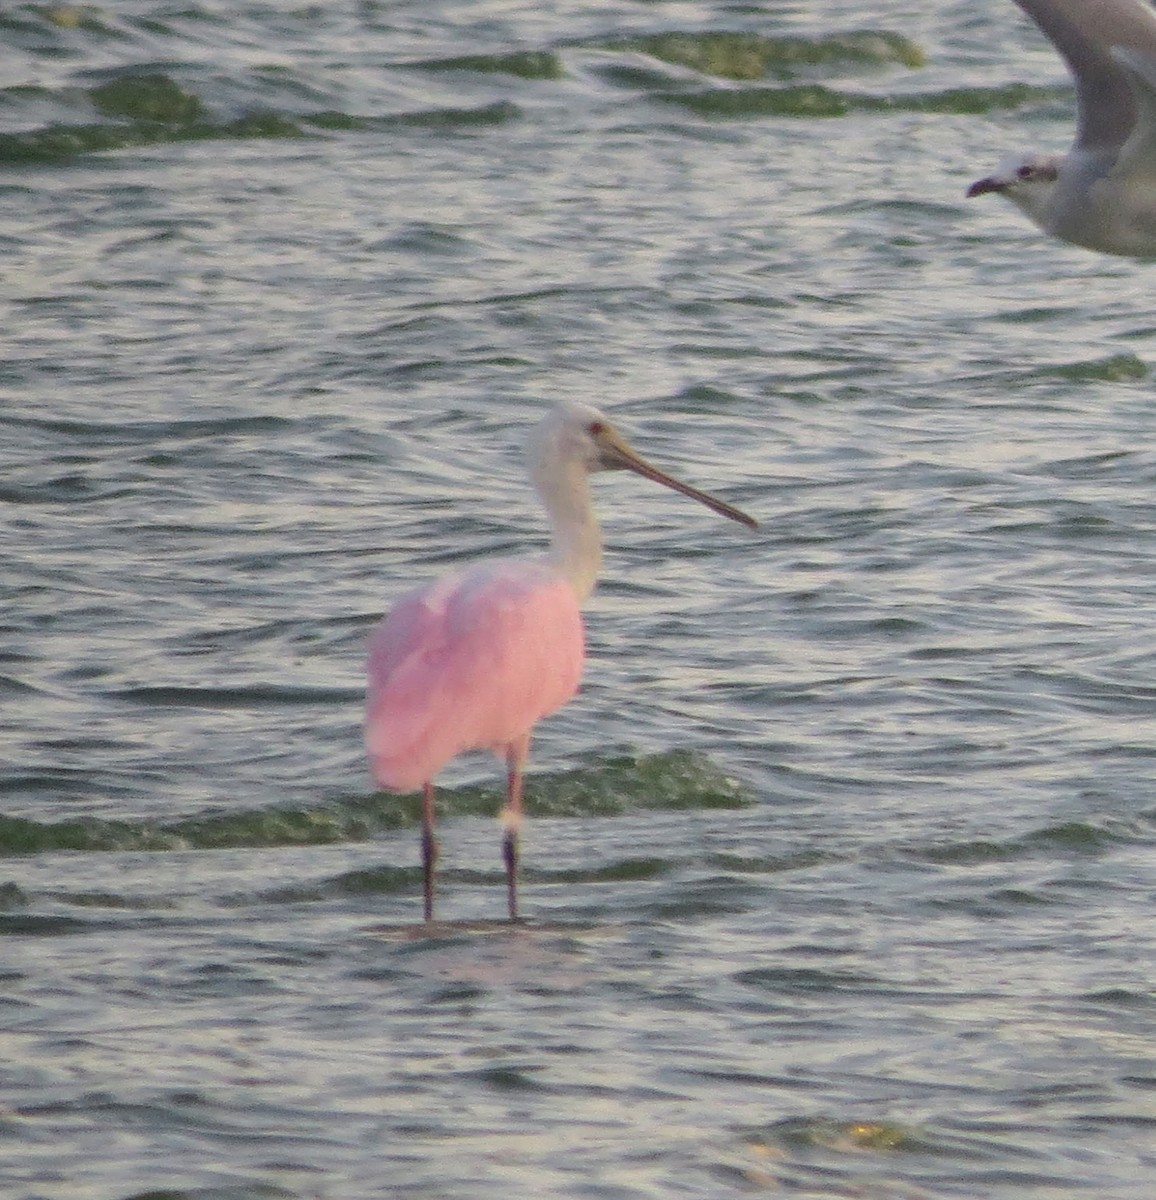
(475, 660)
(471, 663)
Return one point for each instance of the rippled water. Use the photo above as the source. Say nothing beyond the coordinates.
(839, 874)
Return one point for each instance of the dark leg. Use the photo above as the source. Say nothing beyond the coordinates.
(429, 848)
(512, 821)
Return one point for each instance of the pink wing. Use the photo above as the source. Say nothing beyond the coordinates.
(471, 662)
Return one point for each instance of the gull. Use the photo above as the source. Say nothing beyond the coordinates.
(473, 660)
(1102, 194)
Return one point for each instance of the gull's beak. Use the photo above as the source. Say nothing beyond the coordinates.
(982, 186)
(615, 453)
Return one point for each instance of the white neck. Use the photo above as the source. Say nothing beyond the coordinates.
(576, 542)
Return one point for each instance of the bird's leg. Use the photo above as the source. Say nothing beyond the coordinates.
(512, 819)
(429, 848)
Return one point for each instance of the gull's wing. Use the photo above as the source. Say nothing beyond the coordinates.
(1137, 156)
(1085, 32)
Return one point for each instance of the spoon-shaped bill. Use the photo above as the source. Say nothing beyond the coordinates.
(617, 454)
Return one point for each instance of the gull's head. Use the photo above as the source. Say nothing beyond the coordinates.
(1027, 180)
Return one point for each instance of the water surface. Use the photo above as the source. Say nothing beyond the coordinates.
(838, 877)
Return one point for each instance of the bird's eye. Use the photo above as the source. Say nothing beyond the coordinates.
(595, 428)
(1026, 172)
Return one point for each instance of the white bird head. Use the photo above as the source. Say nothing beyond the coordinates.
(581, 435)
(1027, 180)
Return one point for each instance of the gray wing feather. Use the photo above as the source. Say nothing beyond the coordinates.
(1085, 33)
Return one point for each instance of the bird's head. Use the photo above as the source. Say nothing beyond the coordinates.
(1027, 180)
(581, 435)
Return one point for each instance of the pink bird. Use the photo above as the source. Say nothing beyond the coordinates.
(474, 660)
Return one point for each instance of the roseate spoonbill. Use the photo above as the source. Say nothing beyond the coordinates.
(475, 659)
(1100, 194)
